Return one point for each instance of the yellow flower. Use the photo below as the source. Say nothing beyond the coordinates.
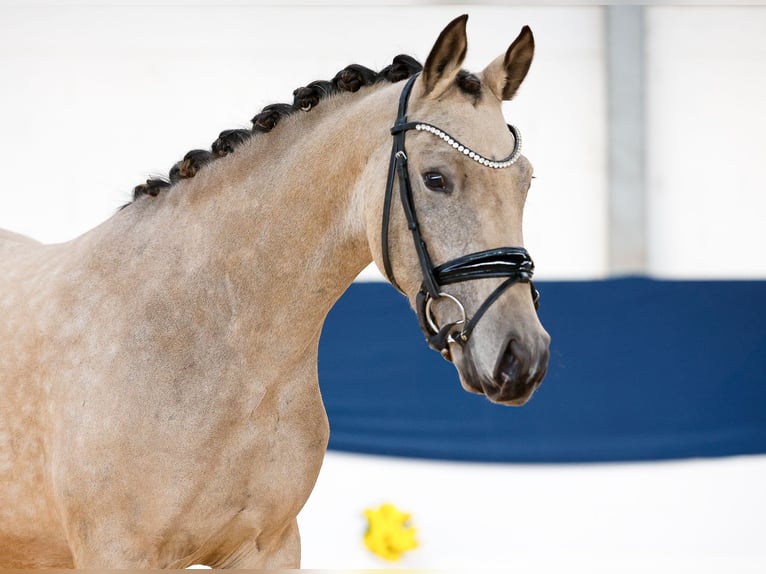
(387, 534)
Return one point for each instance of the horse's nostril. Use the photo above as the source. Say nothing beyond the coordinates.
(514, 376)
(508, 368)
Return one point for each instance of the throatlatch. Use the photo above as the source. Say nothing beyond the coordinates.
(513, 263)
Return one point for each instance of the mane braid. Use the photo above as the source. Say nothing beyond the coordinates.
(307, 97)
(350, 79)
(190, 164)
(228, 140)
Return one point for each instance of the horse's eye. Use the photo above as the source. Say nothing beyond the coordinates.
(436, 181)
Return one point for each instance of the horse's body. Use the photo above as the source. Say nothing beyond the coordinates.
(160, 404)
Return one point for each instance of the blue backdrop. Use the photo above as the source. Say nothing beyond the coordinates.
(639, 370)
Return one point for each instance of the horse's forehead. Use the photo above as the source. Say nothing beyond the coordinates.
(476, 121)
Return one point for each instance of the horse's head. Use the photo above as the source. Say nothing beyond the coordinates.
(452, 217)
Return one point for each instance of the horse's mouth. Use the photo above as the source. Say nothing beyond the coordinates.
(508, 395)
(511, 394)
(513, 381)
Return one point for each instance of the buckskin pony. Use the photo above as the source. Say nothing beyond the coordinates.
(160, 404)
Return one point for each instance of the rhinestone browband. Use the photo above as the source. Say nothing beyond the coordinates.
(495, 164)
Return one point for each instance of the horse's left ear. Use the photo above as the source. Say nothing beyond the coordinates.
(505, 74)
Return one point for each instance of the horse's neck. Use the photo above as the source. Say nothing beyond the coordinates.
(277, 228)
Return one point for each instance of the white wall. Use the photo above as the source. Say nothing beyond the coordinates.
(706, 89)
(95, 99)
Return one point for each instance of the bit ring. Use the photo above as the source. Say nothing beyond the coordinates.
(430, 318)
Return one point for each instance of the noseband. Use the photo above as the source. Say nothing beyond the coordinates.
(512, 263)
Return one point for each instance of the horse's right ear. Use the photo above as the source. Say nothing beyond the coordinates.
(446, 57)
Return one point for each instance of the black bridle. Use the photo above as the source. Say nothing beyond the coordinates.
(512, 263)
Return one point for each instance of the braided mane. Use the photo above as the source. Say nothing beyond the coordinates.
(349, 79)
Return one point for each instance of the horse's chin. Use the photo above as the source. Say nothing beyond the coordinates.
(503, 394)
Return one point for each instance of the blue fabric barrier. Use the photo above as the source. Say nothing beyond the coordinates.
(640, 370)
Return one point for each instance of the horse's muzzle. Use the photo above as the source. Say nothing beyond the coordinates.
(519, 371)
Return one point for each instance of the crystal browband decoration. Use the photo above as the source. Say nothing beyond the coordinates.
(495, 164)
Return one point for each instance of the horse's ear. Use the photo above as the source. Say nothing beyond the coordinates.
(505, 74)
(446, 57)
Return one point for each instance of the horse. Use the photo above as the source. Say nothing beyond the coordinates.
(160, 401)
